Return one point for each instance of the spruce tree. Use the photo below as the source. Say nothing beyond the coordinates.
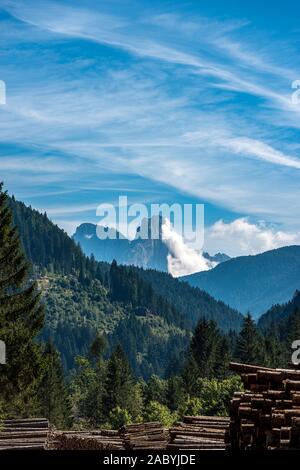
(274, 351)
(175, 392)
(250, 344)
(156, 390)
(98, 347)
(119, 382)
(222, 358)
(94, 403)
(204, 348)
(55, 404)
(21, 318)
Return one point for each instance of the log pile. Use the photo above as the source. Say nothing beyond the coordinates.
(84, 440)
(199, 433)
(267, 414)
(144, 436)
(18, 434)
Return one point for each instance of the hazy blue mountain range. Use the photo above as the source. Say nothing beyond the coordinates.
(253, 283)
(148, 254)
(144, 253)
(279, 314)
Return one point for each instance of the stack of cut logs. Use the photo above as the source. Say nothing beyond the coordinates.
(199, 432)
(144, 436)
(267, 414)
(17, 434)
(84, 440)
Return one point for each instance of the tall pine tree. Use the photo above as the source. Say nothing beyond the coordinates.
(21, 318)
(204, 348)
(250, 344)
(119, 382)
(96, 393)
(55, 403)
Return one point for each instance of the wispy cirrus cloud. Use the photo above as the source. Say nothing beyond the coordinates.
(247, 147)
(95, 26)
(184, 100)
(261, 150)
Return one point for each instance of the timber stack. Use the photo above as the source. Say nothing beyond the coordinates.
(85, 440)
(200, 433)
(150, 435)
(24, 434)
(267, 414)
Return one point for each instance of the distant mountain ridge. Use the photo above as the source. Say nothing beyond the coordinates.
(145, 253)
(138, 252)
(279, 314)
(253, 283)
(217, 258)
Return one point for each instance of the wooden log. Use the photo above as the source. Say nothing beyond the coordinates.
(285, 443)
(25, 421)
(198, 434)
(289, 414)
(269, 376)
(23, 447)
(284, 404)
(291, 385)
(295, 398)
(211, 419)
(248, 412)
(24, 434)
(23, 429)
(258, 387)
(246, 368)
(290, 374)
(262, 403)
(265, 421)
(286, 433)
(239, 368)
(23, 425)
(277, 420)
(275, 394)
(191, 446)
(23, 440)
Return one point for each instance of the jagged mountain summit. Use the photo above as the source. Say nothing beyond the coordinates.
(147, 253)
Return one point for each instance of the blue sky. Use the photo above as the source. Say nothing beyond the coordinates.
(162, 101)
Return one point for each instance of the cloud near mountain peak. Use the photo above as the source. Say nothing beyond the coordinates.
(182, 259)
(248, 238)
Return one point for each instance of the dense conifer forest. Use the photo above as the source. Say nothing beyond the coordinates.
(94, 344)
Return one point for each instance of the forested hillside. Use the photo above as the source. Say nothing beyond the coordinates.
(151, 317)
(253, 283)
(191, 301)
(48, 246)
(76, 311)
(278, 316)
(131, 349)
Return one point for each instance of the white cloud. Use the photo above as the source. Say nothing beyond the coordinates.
(182, 259)
(243, 146)
(59, 211)
(200, 140)
(100, 28)
(241, 237)
(258, 149)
